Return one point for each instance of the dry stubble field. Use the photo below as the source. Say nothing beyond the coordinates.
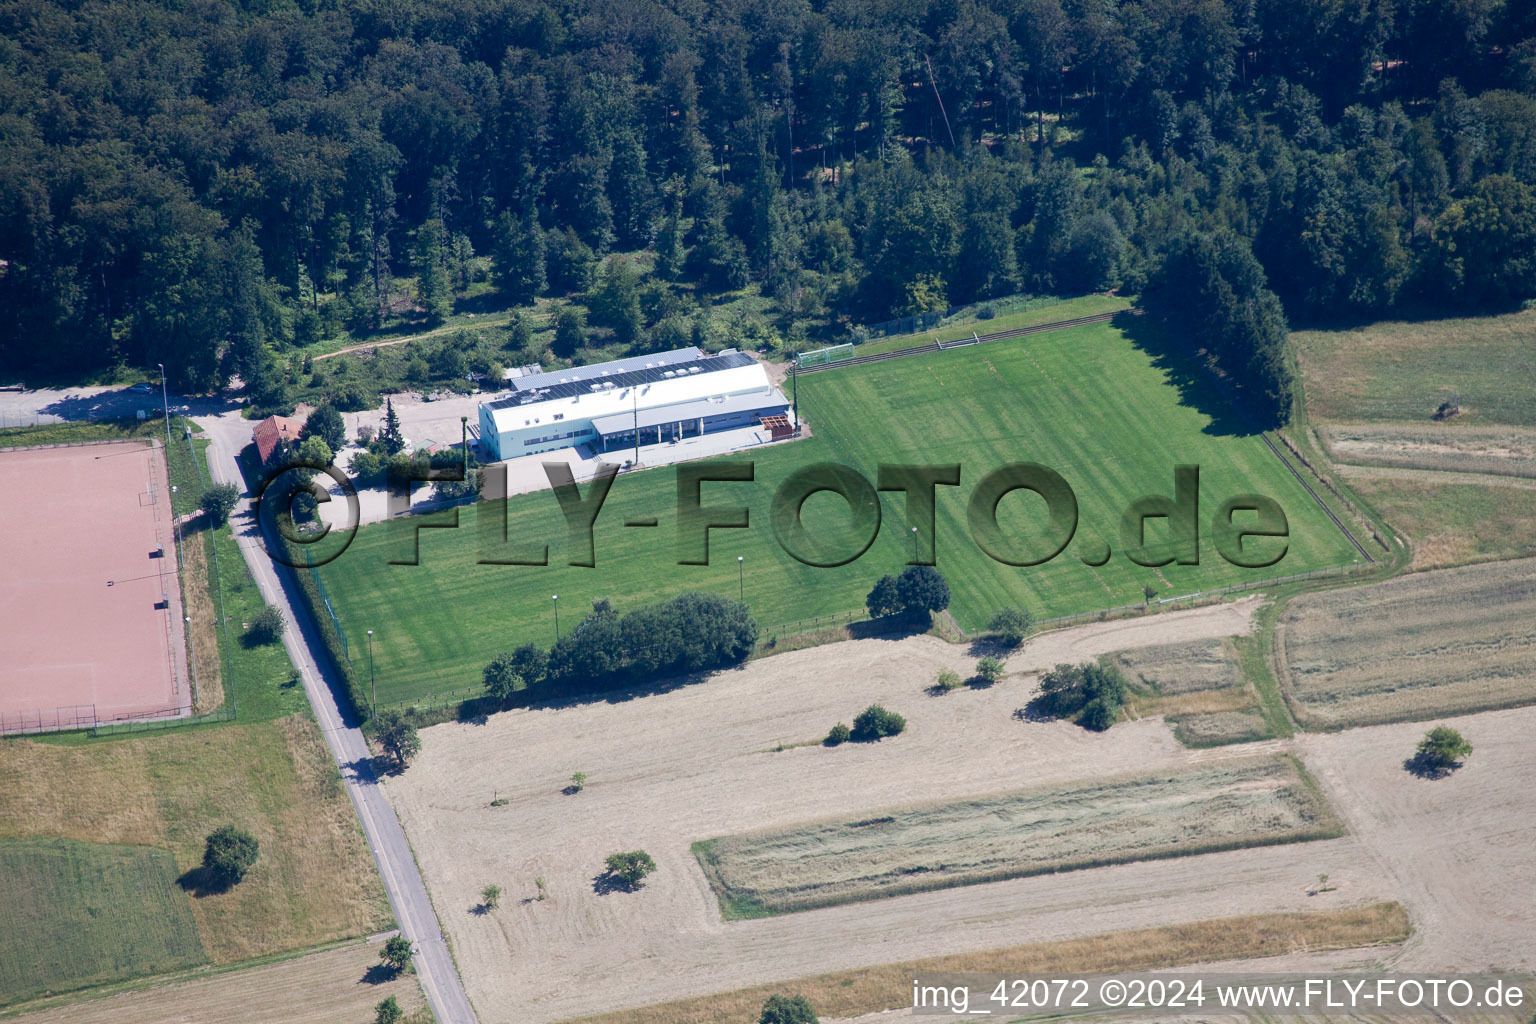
(1427, 644)
(1197, 687)
(668, 769)
(1459, 852)
(1217, 805)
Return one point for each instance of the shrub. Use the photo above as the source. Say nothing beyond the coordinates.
(948, 680)
(267, 627)
(986, 312)
(219, 501)
(531, 663)
(366, 467)
(388, 1012)
(989, 669)
(1440, 752)
(839, 734)
(628, 870)
(578, 781)
(501, 677)
(1091, 692)
(229, 853)
(787, 1010)
(490, 896)
(875, 723)
(1010, 625)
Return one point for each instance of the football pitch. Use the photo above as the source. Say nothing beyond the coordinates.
(1104, 405)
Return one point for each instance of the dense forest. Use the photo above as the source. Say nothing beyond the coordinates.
(220, 185)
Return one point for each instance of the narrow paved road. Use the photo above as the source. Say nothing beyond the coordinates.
(397, 866)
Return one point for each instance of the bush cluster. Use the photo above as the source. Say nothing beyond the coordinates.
(1091, 692)
(875, 723)
(1011, 625)
(918, 591)
(689, 633)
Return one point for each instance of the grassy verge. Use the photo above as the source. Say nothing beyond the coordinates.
(888, 987)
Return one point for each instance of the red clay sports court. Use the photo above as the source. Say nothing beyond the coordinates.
(90, 603)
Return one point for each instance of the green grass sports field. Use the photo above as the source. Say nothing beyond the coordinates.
(1111, 414)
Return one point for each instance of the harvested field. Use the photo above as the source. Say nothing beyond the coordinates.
(887, 987)
(667, 768)
(1458, 850)
(1173, 670)
(1222, 805)
(328, 987)
(80, 914)
(1416, 647)
(1197, 687)
(1448, 447)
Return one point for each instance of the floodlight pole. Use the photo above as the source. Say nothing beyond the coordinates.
(914, 546)
(741, 579)
(794, 385)
(634, 394)
(556, 599)
(165, 407)
(464, 440)
(372, 680)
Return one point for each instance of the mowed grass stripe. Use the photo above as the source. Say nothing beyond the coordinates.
(79, 914)
(1221, 806)
(1097, 406)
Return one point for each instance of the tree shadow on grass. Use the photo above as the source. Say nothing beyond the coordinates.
(201, 882)
(1425, 766)
(1197, 390)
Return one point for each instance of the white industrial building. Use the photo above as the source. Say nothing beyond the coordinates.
(664, 397)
